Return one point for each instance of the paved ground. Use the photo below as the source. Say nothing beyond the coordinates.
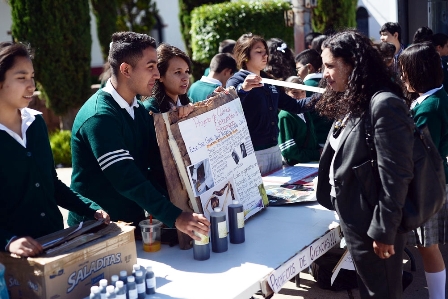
(309, 289)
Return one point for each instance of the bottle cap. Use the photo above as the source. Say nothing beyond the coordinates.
(114, 278)
(138, 273)
(123, 273)
(136, 267)
(110, 289)
(217, 210)
(119, 284)
(103, 282)
(131, 278)
(235, 202)
(94, 289)
(149, 268)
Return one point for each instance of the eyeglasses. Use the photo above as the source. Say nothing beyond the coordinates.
(299, 68)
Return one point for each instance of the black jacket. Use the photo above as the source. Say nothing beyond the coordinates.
(393, 138)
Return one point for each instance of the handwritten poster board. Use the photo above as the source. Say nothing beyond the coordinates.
(223, 163)
(208, 174)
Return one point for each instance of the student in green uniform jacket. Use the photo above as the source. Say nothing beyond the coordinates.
(309, 67)
(422, 75)
(30, 189)
(170, 89)
(116, 159)
(222, 67)
(297, 139)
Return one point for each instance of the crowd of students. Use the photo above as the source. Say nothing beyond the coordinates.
(117, 170)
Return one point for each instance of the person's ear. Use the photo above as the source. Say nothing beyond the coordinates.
(310, 68)
(395, 35)
(125, 69)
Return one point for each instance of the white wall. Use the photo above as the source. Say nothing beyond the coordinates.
(380, 12)
(169, 13)
(5, 21)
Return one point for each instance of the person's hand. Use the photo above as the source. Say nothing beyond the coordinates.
(189, 223)
(100, 214)
(184, 110)
(384, 251)
(25, 246)
(250, 82)
(220, 89)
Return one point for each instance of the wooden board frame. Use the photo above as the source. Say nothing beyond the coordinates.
(175, 157)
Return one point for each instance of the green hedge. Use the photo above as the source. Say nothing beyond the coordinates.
(211, 24)
(60, 146)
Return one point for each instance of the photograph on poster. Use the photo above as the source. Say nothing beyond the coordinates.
(201, 178)
(218, 197)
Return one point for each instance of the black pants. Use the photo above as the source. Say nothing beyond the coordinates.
(377, 278)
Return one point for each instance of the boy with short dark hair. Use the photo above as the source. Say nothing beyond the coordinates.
(391, 32)
(222, 67)
(116, 159)
(440, 42)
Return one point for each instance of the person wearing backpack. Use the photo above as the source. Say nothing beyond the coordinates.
(355, 72)
(422, 76)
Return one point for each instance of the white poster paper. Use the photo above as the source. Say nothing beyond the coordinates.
(223, 163)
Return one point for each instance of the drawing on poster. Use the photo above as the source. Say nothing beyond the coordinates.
(201, 178)
(221, 139)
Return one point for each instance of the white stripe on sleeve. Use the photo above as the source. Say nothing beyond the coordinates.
(110, 158)
(287, 144)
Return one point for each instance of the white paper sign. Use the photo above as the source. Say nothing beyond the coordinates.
(346, 262)
(303, 259)
(223, 163)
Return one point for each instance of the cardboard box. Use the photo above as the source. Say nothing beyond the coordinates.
(70, 275)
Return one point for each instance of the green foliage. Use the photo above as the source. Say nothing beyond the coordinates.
(59, 33)
(334, 15)
(106, 15)
(211, 24)
(60, 146)
(136, 15)
(185, 8)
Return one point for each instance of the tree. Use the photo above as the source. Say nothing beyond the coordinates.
(333, 15)
(136, 15)
(122, 15)
(59, 33)
(106, 14)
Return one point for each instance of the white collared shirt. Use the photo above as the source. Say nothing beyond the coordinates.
(211, 80)
(423, 97)
(109, 88)
(28, 116)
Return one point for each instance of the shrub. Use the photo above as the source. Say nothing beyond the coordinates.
(60, 146)
(211, 24)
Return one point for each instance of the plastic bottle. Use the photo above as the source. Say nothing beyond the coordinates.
(3, 289)
(120, 290)
(141, 286)
(132, 288)
(94, 293)
(150, 281)
(113, 280)
(201, 249)
(103, 285)
(124, 278)
(110, 292)
(219, 230)
(236, 222)
(135, 267)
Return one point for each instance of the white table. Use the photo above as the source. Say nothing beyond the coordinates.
(273, 237)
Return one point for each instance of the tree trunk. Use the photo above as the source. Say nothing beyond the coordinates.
(66, 120)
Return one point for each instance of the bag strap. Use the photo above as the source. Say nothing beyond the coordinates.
(369, 131)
